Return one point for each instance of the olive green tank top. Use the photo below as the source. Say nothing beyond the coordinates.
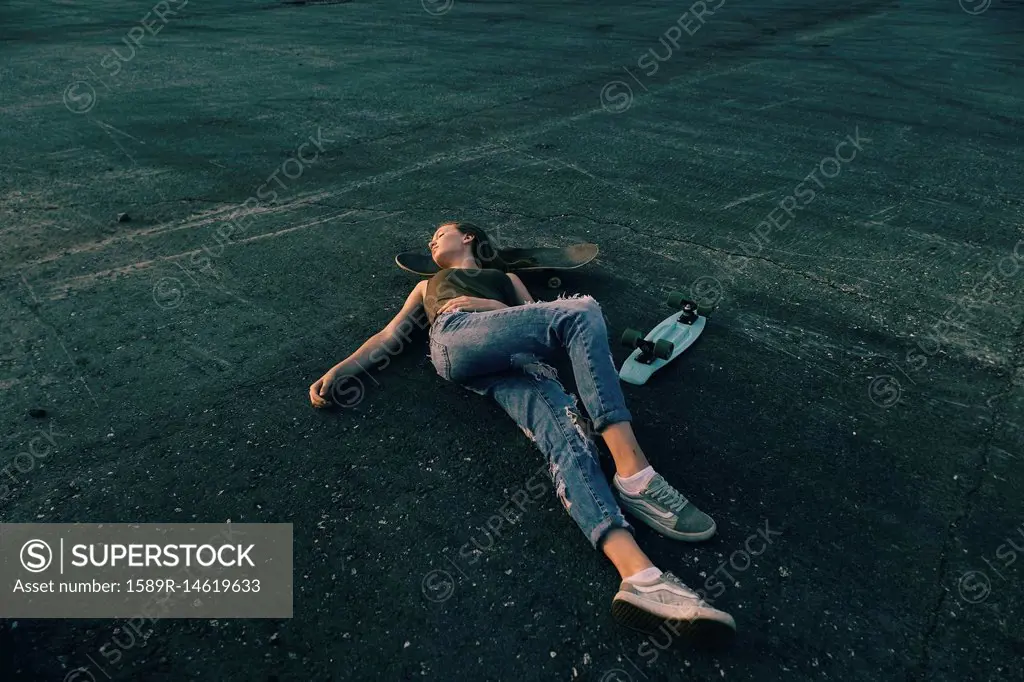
(451, 283)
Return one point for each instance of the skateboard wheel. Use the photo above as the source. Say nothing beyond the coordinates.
(554, 282)
(663, 349)
(676, 299)
(631, 337)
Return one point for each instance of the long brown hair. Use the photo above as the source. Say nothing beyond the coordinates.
(483, 248)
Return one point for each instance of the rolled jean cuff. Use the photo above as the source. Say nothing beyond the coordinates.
(619, 414)
(608, 524)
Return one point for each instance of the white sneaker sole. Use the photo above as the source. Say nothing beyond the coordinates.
(701, 626)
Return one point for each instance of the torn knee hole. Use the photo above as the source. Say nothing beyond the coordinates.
(533, 366)
(539, 369)
(559, 482)
(581, 425)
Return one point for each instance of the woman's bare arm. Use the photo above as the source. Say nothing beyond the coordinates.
(524, 293)
(374, 348)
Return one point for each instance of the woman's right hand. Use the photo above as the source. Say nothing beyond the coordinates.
(320, 390)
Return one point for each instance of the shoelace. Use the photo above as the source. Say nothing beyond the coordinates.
(667, 495)
(670, 577)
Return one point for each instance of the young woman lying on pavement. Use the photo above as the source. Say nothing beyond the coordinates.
(489, 335)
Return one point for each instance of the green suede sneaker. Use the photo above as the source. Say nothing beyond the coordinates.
(664, 509)
(665, 603)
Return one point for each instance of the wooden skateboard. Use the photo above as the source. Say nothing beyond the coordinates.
(538, 258)
(664, 343)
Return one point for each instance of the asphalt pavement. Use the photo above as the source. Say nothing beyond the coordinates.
(840, 181)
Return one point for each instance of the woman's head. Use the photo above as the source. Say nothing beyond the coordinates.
(454, 242)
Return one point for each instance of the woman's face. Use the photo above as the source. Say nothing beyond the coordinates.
(448, 245)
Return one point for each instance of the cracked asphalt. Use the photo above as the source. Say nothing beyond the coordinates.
(841, 181)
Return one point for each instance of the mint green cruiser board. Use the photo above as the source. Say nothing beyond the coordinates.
(664, 343)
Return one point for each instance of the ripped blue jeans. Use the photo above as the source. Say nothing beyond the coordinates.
(501, 353)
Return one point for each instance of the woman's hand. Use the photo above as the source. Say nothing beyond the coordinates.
(320, 390)
(470, 304)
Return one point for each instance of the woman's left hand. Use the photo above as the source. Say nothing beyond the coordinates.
(470, 304)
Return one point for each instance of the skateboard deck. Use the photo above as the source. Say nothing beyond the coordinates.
(519, 260)
(664, 343)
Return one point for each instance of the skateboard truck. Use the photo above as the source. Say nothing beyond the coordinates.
(649, 350)
(688, 309)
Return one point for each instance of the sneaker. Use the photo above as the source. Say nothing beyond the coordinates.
(666, 603)
(664, 509)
